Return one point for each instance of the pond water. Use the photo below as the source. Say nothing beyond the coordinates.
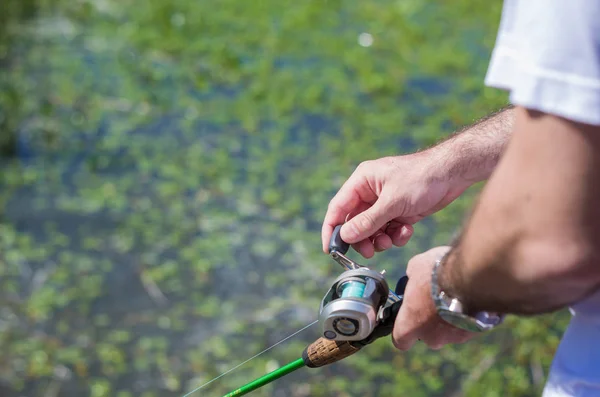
(162, 207)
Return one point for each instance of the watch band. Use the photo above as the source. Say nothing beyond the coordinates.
(452, 309)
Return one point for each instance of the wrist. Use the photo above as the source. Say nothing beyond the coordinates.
(444, 279)
(451, 307)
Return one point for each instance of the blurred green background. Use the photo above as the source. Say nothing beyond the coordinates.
(165, 169)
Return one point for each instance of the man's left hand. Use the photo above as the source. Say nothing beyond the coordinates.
(418, 318)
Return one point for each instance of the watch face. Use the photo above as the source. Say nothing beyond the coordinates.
(460, 321)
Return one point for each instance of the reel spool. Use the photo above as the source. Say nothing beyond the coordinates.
(349, 311)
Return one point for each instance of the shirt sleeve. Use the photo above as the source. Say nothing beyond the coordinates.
(547, 55)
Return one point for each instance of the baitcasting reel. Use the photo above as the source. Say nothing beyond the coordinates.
(359, 301)
(349, 309)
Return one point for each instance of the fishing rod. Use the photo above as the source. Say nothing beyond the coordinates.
(358, 309)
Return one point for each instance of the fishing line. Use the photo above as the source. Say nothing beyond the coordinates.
(252, 358)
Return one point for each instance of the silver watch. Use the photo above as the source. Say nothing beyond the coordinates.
(453, 311)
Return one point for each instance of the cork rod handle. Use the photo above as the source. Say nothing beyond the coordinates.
(324, 352)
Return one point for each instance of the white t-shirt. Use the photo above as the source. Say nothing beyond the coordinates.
(547, 55)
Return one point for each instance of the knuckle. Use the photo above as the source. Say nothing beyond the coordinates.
(332, 205)
(411, 265)
(390, 205)
(435, 345)
(398, 339)
(400, 345)
(366, 221)
(403, 339)
(464, 337)
(336, 203)
(434, 342)
(462, 340)
(364, 164)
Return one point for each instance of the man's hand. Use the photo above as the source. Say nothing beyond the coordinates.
(383, 198)
(417, 318)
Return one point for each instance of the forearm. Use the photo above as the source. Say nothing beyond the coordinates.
(470, 155)
(531, 245)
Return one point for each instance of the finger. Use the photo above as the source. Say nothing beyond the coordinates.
(366, 223)
(326, 232)
(339, 207)
(346, 201)
(465, 337)
(436, 336)
(457, 335)
(365, 248)
(441, 334)
(411, 220)
(404, 341)
(382, 242)
(438, 342)
(407, 330)
(400, 234)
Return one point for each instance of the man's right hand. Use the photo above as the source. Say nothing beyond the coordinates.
(383, 198)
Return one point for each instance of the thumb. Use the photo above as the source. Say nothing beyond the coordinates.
(366, 223)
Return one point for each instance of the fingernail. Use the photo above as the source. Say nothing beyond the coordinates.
(387, 244)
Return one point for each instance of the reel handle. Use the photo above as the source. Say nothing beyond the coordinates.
(390, 313)
(336, 243)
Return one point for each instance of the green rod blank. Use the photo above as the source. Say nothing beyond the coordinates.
(268, 378)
